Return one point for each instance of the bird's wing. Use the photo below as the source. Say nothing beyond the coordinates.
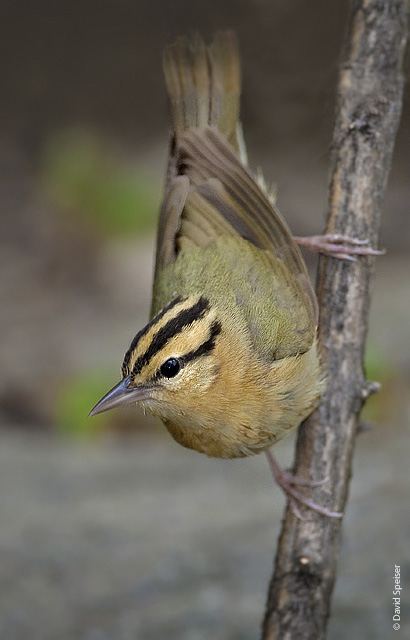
(217, 195)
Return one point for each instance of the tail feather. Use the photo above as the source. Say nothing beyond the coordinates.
(204, 85)
(225, 95)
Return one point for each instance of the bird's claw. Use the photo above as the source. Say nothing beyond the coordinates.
(287, 482)
(338, 246)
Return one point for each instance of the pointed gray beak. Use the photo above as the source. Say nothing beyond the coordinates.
(119, 396)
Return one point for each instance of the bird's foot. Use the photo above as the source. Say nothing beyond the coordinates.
(339, 246)
(287, 483)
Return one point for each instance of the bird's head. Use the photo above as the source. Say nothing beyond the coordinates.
(172, 362)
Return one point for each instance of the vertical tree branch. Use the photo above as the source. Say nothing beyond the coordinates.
(368, 109)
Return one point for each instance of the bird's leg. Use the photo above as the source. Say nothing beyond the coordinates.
(287, 483)
(336, 245)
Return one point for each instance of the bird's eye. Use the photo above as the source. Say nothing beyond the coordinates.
(170, 368)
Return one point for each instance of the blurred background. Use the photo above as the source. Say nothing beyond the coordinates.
(108, 529)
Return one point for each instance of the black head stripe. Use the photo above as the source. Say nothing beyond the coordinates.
(206, 347)
(171, 329)
(144, 331)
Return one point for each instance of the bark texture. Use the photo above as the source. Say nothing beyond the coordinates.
(368, 110)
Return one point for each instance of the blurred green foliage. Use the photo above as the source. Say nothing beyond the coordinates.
(84, 177)
(376, 365)
(75, 400)
(378, 369)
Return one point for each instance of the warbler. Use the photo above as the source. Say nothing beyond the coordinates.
(229, 360)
